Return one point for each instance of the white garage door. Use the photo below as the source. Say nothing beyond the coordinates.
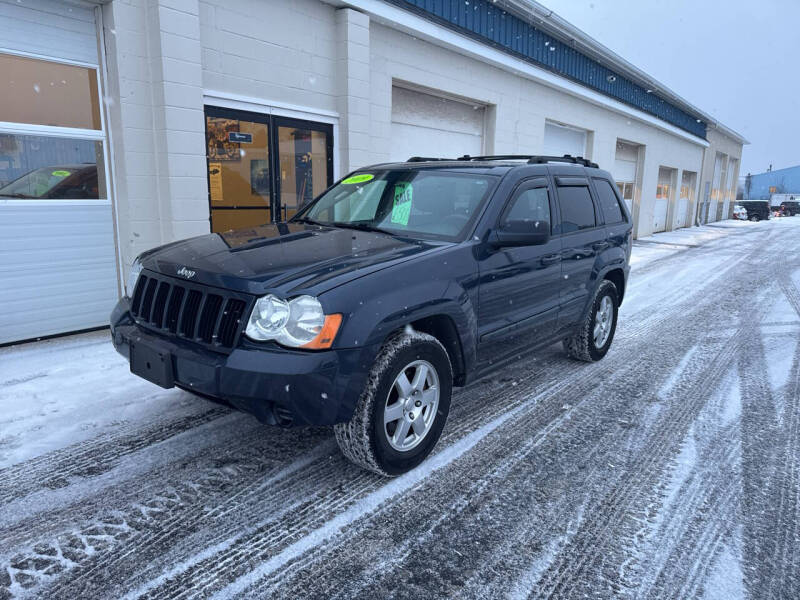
(427, 125)
(624, 170)
(663, 198)
(562, 139)
(57, 255)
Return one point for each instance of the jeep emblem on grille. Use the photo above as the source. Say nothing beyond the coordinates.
(188, 273)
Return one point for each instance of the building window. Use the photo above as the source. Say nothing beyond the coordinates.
(51, 132)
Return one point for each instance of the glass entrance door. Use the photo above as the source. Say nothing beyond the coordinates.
(263, 168)
(238, 158)
(306, 165)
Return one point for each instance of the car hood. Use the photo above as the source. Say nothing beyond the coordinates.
(284, 258)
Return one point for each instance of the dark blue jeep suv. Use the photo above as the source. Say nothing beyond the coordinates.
(396, 284)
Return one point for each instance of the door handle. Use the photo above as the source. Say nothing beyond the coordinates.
(550, 259)
(598, 246)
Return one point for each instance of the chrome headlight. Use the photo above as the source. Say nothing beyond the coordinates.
(133, 276)
(298, 323)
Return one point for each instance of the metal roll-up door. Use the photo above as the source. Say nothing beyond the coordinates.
(428, 125)
(58, 265)
(562, 139)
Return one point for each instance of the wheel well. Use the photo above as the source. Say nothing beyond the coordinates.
(444, 329)
(617, 277)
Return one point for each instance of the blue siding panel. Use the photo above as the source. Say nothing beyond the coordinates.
(486, 22)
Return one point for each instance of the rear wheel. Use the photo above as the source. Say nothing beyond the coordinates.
(593, 339)
(755, 218)
(402, 411)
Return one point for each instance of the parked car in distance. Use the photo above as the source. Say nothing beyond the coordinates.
(739, 212)
(757, 210)
(787, 204)
(790, 208)
(398, 283)
(57, 182)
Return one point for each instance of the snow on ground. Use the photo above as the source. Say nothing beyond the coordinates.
(668, 470)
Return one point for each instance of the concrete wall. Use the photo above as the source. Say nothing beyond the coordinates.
(321, 61)
(155, 92)
(520, 108)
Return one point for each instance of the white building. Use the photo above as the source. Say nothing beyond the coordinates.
(131, 123)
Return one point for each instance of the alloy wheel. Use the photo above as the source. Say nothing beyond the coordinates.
(603, 320)
(411, 405)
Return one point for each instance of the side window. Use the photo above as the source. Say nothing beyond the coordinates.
(530, 205)
(577, 208)
(608, 202)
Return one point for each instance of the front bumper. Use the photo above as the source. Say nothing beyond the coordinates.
(278, 386)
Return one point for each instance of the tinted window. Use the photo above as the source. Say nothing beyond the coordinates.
(530, 205)
(577, 208)
(608, 201)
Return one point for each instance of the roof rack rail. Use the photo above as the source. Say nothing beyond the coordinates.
(426, 159)
(535, 159)
(532, 159)
(567, 158)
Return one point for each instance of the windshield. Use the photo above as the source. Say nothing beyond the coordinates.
(417, 203)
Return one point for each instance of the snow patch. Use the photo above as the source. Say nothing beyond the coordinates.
(726, 580)
(779, 351)
(675, 376)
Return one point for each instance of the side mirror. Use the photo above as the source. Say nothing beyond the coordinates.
(521, 233)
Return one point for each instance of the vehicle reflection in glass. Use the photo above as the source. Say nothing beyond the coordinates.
(59, 182)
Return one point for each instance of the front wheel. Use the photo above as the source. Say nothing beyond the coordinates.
(594, 336)
(402, 411)
(755, 218)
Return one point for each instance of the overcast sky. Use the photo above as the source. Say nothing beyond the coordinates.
(737, 61)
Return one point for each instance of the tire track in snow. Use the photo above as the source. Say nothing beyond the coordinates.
(697, 515)
(85, 576)
(54, 470)
(783, 570)
(585, 559)
(613, 513)
(769, 464)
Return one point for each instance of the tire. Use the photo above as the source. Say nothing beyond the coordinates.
(755, 219)
(582, 345)
(373, 444)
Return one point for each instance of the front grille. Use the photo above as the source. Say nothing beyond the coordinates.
(208, 316)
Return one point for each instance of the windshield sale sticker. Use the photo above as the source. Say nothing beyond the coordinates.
(401, 209)
(60, 173)
(364, 177)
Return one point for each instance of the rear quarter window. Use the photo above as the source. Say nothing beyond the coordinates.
(609, 203)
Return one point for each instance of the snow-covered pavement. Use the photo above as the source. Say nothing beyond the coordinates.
(671, 469)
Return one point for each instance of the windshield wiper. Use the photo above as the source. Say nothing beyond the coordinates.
(361, 227)
(309, 221)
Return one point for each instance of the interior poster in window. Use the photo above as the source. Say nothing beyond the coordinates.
(215, 181)
(219, 145)
(259, 177)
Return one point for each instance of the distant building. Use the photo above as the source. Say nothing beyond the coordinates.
(762, 185)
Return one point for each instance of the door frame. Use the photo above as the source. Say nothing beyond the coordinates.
(273, 122)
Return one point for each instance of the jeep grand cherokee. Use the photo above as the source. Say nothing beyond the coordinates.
(399, 282)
